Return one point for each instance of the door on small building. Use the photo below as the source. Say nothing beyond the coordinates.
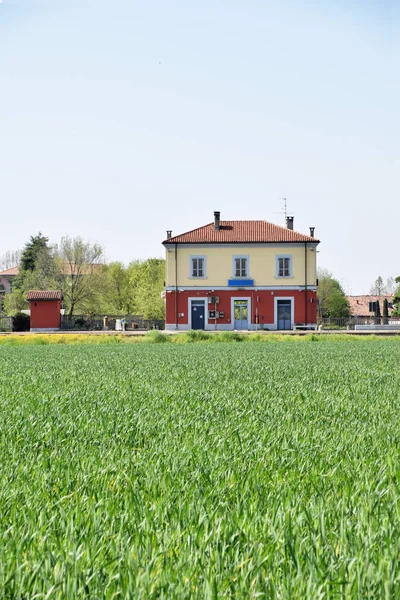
(241, 314)
(198, 314)
(284, 308)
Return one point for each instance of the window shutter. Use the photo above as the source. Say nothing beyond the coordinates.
(237, 267)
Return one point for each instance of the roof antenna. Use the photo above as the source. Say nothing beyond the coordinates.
(284, 207)
(284, 210)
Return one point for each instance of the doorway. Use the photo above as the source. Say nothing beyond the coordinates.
(198, 314)
(241, 314)
(284, 314)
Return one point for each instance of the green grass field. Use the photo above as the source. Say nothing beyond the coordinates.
(200, 470)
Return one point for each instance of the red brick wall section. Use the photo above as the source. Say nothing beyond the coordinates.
(45, 314)
(262, 300)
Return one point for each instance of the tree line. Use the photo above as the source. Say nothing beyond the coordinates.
(89, 285)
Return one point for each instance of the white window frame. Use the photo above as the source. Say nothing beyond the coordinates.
(281, 257)
(197, 257)
(236, 257)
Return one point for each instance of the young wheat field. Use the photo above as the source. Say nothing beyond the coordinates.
(201, 470)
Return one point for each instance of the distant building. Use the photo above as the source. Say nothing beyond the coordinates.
(241, 275)
(7, 278)
(364, 306)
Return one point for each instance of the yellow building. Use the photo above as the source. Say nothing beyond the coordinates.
(241, 275)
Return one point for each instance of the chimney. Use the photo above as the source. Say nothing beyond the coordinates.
(312, 229)
(217, 215)
(169, 234)
(289, 222)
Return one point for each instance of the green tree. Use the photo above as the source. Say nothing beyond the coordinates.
(81, 274)
(377, 312)
(46, 274)
(32, 249)
(396, 299)
(37, 268)
(385, 311)
(147, 282)
(332, 301)
(117, 293)
(135, 289)
(14, 302)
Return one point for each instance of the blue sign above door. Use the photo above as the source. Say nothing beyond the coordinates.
(240, 282)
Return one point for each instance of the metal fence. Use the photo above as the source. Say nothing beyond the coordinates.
(5, 323)
(351, 322)
(97, 322)
(133, 322)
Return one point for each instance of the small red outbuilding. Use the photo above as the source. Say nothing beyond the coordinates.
(45, 309)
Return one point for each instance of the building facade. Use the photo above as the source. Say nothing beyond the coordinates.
(241, 275)
(364, 306)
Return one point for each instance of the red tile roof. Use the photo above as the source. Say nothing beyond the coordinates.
(359, 305)
(13, 271)
(44, 295)
(72, 269)
(236, 232)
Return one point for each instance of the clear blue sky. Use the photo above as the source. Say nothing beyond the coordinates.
(121, 119)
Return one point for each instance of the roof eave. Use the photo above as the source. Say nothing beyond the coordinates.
(172, 242)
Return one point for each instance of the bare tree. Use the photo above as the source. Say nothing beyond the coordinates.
(80, 265)
(10, 259)
(378, 288)
(390, 286)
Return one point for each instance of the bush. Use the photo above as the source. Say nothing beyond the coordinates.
(156, 337)
(80, 323)
(334, 327)
(196, 335)
(21, 322)
(313, 337)
(230, 336)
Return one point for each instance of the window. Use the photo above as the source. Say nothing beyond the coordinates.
(284, 266)
(198, 266)
(240, 266)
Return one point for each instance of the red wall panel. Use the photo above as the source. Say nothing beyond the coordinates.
(45, 314)
(263, 301)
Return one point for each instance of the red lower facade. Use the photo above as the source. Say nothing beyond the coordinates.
(240, 309)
